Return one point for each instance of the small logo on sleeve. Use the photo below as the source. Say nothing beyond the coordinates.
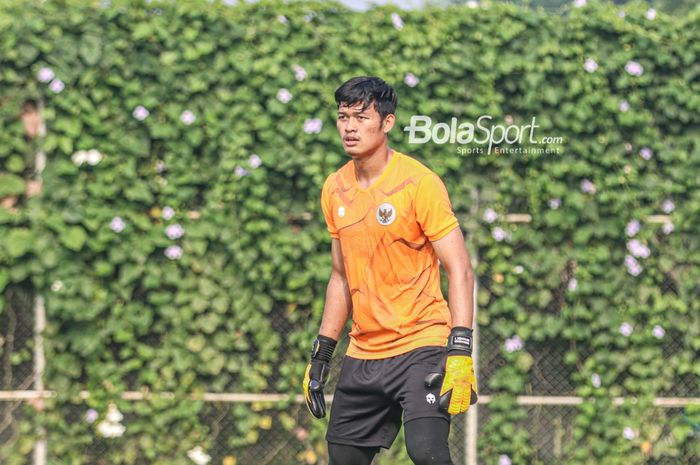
(430, 398)
(386, 214)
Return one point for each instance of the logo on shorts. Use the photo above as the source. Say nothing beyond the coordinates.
(430, 398)
(341, 211)
(386, 214)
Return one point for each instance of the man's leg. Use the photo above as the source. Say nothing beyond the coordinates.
(426, 441)
(341, 454)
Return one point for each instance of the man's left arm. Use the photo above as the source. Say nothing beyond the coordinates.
(454, 258)
(456, 377)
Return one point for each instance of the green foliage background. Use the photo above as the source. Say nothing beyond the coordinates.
(238, 311)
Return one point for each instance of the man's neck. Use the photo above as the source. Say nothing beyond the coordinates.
(369, 168)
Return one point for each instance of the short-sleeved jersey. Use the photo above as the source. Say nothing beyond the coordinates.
(392, 271)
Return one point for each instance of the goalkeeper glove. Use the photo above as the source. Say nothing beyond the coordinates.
(456, 373)
(317, 374)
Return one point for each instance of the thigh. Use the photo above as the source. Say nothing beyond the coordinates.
(361, 413)
(427, 441)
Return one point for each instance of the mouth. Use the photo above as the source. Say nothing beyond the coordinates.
(351, 141)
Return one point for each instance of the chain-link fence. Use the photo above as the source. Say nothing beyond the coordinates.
(550, 407)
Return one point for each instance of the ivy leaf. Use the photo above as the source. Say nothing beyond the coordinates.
(74, 237)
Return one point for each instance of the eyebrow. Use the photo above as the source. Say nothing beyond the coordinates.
(356, 112)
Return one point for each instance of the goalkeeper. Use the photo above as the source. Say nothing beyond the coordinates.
(390, 220)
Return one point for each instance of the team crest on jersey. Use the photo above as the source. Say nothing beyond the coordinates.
(341, 211)
(386, 214)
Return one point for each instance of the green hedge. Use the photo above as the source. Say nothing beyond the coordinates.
(188, 254)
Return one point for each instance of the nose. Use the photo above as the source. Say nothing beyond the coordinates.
(350, 125)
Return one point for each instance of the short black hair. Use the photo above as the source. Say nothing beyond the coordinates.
(368, 90)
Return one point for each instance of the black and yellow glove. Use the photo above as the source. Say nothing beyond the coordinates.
(317, 374)
(456, 373)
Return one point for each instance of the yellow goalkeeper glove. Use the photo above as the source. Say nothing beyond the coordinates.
(456, 373)
(316, 375)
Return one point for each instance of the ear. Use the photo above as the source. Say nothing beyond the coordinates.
(388, 123)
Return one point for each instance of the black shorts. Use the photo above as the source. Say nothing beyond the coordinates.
(371, 396)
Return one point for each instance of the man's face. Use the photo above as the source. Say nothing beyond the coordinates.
(362, 132)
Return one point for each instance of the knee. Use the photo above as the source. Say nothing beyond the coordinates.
(423, 454)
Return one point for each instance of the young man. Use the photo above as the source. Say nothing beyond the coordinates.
(390, 220)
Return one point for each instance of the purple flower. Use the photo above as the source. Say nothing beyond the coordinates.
(633, 266)
(57, 86)
(313, 126)
(624, 106)
(282, 19)
(658, 332)
(646, 153)
(590, 65)
(499, 234)
(254, 161)
(572, 284)
(411, 80)
(668, 206)
(159, 166)
(667, 228)
(579, 3)
(174, 231)
(634, 68)
(397, 21)
(283, 95)
(91, 415)
(554, 203)
(240, 171)
(625, 329)
(513, 344)
(187, 117)
(45, 75)
(650, 14)
(140, 113)
(173, 252)
(638, 249)
(595, 380)
(503, 459)
(587, 187)
(632, 228)
(299, 72)
(168, 213)
(628, 433)
(490, 215)
(622, 14)
(117, 225)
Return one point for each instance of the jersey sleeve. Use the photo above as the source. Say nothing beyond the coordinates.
(433, 208)
(326, 206)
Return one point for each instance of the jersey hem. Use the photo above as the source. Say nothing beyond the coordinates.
(355, 352)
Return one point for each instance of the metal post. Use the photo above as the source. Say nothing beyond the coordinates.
(40, 451)
(40, 362)
(471, 421)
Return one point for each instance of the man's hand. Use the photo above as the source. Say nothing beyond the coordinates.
(317, 374)
(456, 373)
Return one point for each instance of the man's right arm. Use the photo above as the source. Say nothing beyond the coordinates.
(338, 301)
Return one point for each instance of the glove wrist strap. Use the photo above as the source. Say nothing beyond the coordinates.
(460, 341)
(323, 348)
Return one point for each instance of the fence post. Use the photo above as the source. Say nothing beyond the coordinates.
(471, 421)
(40, 451)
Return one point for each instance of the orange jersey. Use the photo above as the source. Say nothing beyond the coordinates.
(392, 271)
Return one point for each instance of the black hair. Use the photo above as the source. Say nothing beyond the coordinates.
(368, 90)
